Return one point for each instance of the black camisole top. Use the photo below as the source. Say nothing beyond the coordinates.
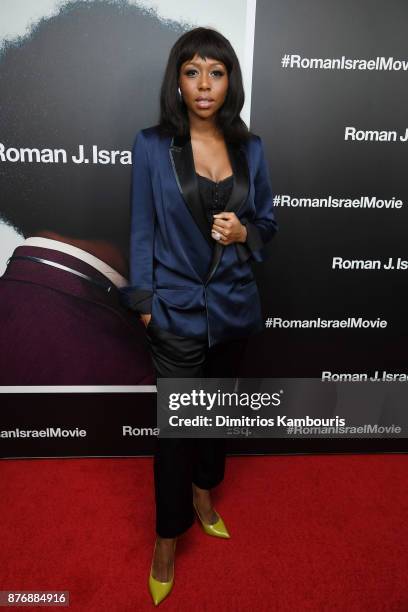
(214, 195)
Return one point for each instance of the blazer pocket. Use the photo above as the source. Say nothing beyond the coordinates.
(183, 298)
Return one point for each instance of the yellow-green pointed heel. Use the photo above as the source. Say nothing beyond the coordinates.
(217, 529)
(159, 590)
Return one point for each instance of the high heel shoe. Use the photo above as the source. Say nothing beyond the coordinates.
(217, 529)
(159, 590)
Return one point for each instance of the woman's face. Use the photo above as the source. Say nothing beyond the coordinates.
(203, 85)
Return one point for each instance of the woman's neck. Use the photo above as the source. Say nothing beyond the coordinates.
(204, 129)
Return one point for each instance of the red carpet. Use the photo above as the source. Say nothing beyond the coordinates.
(309, 533)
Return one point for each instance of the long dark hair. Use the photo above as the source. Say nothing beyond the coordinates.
(204, 42)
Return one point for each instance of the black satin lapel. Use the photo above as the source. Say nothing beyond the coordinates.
(181, 155)
(237, 198)
(182, 159)
(240, 169)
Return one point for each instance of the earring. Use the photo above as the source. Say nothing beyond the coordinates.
(179, 93)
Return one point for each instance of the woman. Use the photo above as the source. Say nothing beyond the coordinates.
(201, 210)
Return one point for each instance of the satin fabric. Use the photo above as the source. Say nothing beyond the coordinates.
(180, 461)
(192, 285)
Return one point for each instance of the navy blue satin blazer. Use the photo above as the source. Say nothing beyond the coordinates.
(192, 285)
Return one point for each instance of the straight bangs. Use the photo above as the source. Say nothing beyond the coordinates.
(205, 46)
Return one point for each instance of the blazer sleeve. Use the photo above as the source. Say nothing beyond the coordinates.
(138, 294)
(263, 226)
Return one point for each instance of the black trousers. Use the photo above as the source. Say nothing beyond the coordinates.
(180, 462)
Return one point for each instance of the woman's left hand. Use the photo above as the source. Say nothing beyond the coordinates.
(228, 226)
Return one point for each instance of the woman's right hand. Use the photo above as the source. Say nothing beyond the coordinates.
(146, 319)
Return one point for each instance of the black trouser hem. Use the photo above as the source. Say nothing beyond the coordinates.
(174, 533)
(207, 485)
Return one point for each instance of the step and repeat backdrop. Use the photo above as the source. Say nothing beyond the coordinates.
(326, 89)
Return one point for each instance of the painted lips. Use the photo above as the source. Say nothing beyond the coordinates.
(204, 102)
